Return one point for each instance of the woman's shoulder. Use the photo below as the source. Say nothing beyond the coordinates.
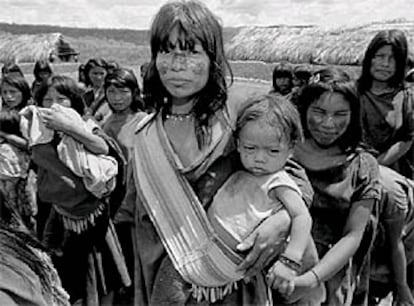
(136, 123)
(239, 92)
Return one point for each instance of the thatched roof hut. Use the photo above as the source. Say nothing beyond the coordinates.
(310, 44)
(30, 48)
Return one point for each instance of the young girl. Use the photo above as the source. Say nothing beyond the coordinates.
(267, 130)
(14, 168)
(345, 180)
(123, 95)
(88, 242)
(96, 70)
(15, 95)
(387, 102)
(41, 72)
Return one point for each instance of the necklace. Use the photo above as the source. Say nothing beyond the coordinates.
(179, 116)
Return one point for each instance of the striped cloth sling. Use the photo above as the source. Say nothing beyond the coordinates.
(200, 256)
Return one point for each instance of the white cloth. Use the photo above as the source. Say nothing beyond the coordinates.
(243, 201)
(97, 171)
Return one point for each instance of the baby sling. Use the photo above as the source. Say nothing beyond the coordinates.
(200, 256)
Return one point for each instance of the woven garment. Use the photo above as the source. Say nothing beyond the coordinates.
(196, 251)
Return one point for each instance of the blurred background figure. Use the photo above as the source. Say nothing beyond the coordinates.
(282, 80)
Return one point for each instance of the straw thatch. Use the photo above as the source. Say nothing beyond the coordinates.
(310, 44)
(30, 48)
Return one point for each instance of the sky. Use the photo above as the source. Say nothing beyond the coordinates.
(137, 14)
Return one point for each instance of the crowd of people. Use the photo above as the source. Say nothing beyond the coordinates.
(180, 186)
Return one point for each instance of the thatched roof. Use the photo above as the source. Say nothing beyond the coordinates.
(30, 48)
(310, 44)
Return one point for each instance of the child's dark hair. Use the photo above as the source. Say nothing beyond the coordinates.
(20, 84)
(11, 67)
(65, 86)
(10, 122)
(302, 73)
(122, 77)
(41, 66)
(281, 71)
(277, 112)
(92, 63)
(337, 81)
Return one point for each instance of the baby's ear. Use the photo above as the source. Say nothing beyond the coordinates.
(238, 144)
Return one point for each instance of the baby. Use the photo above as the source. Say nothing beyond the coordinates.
(267, 130)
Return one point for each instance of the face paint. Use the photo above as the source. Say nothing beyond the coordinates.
(183, 71)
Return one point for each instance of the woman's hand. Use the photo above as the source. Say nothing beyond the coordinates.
(264, 243)
(57, 119)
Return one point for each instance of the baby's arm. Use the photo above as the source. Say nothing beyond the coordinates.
(288, 265)
(393, 230)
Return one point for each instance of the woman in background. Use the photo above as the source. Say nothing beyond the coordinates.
(386, 102)
(97, 107)
(346, 185)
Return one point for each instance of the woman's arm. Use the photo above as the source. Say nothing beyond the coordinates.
(15, 140)
(338, 256)
(394, 153)
(393, 230)
(56, 119)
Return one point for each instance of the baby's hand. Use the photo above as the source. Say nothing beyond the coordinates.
(281, 278)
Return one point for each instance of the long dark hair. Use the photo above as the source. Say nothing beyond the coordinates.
(122, 77)
(338, 81)
(20, 84)
(195, 22)
(398, 41)
(92, 63)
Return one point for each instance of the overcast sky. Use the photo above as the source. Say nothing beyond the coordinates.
(137, 14)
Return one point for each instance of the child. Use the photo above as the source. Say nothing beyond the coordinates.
(123, 95)
(282, 80)
(267, 130)
(97, 107)
(78, 229)
(41, 71)
(14, 167)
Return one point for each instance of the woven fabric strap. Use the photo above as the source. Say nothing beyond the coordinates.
(197, 253)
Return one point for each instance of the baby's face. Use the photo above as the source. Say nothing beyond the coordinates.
(262, 149)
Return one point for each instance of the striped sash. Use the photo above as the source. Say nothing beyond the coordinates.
(197, 253)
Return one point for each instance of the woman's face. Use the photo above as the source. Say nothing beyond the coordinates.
(383, 65)
(183, 72)
(120, 98)
(53, 96)
(97, 76)
(11, 96)
(328, 118)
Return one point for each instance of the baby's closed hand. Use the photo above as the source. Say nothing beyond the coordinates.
(281, 278)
